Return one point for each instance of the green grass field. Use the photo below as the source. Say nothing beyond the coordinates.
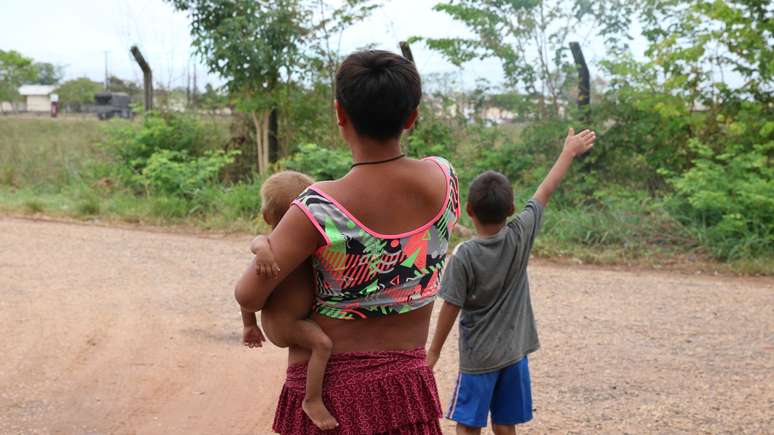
(36, 151)
(57, 167)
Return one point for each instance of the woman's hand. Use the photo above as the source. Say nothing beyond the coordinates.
(265, 264)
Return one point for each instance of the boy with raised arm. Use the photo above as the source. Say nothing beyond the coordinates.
(486, 279)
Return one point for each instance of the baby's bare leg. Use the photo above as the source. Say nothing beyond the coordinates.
(307, 334)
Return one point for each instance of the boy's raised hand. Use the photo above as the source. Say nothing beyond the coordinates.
(574, 145)
(265, 264)
(577, 144)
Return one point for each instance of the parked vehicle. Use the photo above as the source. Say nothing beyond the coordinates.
(110, 104)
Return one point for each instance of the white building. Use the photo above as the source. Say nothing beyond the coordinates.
(38, 97)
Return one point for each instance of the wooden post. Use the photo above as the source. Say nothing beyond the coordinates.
(584, 80)
(147, 77)
(406, 50)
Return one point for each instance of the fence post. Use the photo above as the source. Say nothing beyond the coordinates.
(584, 80)
(147, 77)
(406, 50)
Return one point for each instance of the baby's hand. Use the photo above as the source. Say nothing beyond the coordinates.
(577, 144)
(252, 336)
(265, 265)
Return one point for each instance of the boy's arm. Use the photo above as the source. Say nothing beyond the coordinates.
(446, 318)
(574, 145)
(457, 279)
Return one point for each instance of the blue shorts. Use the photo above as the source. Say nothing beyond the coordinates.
(505, 392)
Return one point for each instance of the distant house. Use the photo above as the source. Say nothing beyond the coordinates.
(38, 97)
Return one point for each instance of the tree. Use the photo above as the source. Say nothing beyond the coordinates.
(128, 87)
(48, 73)
(15, 70)
(212, 98)
(530, 39)
(77, 92)
(260, 48)
(250, 44)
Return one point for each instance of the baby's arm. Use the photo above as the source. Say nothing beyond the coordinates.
(446, 318)
(293, 240)
(251, 333)
(574, 145)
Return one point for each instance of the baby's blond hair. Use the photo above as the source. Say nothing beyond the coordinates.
(279, 191)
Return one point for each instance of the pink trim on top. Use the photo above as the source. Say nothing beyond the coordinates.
(393, 236)
(316, 224)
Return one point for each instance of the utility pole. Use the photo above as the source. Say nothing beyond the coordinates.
(107, 78)
(188, 86)
(193, 94)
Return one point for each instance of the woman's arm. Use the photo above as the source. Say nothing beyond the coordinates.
(292, 241)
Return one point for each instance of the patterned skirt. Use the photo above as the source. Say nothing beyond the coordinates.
(386, 392)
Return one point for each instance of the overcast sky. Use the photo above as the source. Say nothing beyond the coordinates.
(77, 34)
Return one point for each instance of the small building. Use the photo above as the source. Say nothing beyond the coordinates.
(38, 97)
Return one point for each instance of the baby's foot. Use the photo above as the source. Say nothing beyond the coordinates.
(317, 412)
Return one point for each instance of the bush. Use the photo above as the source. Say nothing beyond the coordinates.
(132, 145)
(729, 199)
(318, 162)
(178, 173)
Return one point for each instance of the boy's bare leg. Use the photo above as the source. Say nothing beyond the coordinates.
(307, 334)
(467, 430)
(500, 429)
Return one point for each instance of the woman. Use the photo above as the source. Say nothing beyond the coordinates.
(378, 239)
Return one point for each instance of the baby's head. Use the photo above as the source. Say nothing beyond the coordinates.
(490, 198)
(279, 191)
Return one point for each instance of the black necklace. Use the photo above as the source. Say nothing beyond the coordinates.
(376, 162)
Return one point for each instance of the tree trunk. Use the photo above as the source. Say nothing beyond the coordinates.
(273, 136)
(261, 142)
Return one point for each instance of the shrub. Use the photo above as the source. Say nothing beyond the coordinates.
(178, 173)
(318, 162)
(131, 145)
(729, 199)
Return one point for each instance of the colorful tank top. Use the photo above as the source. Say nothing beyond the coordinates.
(360, 273)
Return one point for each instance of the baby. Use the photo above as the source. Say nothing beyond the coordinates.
(285, 317)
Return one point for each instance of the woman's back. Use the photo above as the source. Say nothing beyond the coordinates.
(391, 198)
(393, 203)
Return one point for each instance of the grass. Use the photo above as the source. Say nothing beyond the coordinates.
(50, 167)
(39, 151)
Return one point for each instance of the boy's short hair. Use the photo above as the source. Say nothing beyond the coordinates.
(279, 191)
(378, 90)
(490, 197)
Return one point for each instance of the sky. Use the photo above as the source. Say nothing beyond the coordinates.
(81, 34)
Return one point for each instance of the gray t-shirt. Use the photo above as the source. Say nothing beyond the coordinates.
(487, 277)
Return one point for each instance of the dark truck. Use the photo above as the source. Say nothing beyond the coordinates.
(110, 104)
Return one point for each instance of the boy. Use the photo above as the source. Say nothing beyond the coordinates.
(285, 317)
(486, 279)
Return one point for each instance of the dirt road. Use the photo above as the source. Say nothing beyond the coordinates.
(109, 330)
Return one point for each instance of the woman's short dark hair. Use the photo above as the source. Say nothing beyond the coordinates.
(490, 196)
(378, 90)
